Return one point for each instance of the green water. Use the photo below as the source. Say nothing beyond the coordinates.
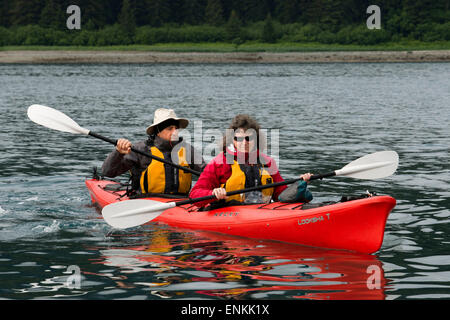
(327, 115)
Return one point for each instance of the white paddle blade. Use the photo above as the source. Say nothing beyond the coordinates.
(132, 213)
(54, 119)
(372, 166)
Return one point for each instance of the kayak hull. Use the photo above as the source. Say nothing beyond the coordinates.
(356, 225)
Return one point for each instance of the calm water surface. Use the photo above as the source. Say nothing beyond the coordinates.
(327, 114)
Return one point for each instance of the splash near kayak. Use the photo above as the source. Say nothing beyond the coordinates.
(355, 225)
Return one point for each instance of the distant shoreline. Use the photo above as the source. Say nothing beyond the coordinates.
(126, 56)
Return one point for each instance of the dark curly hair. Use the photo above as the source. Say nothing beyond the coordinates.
(244, 121)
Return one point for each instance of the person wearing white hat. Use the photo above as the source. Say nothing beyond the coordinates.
(149, 176)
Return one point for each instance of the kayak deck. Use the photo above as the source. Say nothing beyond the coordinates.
(356, 225)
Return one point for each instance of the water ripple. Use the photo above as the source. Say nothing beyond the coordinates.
(327, 116)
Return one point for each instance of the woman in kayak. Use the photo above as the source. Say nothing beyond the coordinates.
(151, 176)
(242, 165)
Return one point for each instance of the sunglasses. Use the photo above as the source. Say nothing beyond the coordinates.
(247, 138)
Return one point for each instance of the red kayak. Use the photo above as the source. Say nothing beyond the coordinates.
(356, 225)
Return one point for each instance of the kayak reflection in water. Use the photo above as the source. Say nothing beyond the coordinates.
(152, 176)
(242, 164)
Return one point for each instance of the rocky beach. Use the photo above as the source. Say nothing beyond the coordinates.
(75, 56)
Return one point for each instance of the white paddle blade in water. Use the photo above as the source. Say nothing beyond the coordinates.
(372, 166)
(54, 119)
(132, 213)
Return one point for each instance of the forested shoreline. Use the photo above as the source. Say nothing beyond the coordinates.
(149, 22)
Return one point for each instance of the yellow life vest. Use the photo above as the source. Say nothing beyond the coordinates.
(154, 180)
(237, 181)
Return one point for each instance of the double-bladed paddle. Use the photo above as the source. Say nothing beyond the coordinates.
(56, 120)
(131, 213)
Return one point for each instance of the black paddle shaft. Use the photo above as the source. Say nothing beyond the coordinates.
(146, 154)
(256, 188)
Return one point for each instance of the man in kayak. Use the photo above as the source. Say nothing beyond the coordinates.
(242, 165)
(149, 176)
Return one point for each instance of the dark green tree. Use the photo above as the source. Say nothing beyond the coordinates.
(425, 20)
(126, 17)
(252, 10)
(214, 13)
(312, 11)
(269, 34)
(176, 11)
(4, 13)
(52, 15)
(332, 15)
(24, 12)
(418, 12)
(158, 12)
(193, 12)
(353, 11)
(98, 13)
(141, 12)
(109, 11)
(233, 27)
(288, 11)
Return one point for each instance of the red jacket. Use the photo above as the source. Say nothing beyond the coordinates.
(218, 171)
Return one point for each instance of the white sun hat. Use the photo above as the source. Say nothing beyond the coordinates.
(163, 114)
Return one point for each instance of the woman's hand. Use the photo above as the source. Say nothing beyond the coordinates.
(123, 146)
(306, 176)
(220, 193)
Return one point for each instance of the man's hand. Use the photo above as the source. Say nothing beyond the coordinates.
(123, 146)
